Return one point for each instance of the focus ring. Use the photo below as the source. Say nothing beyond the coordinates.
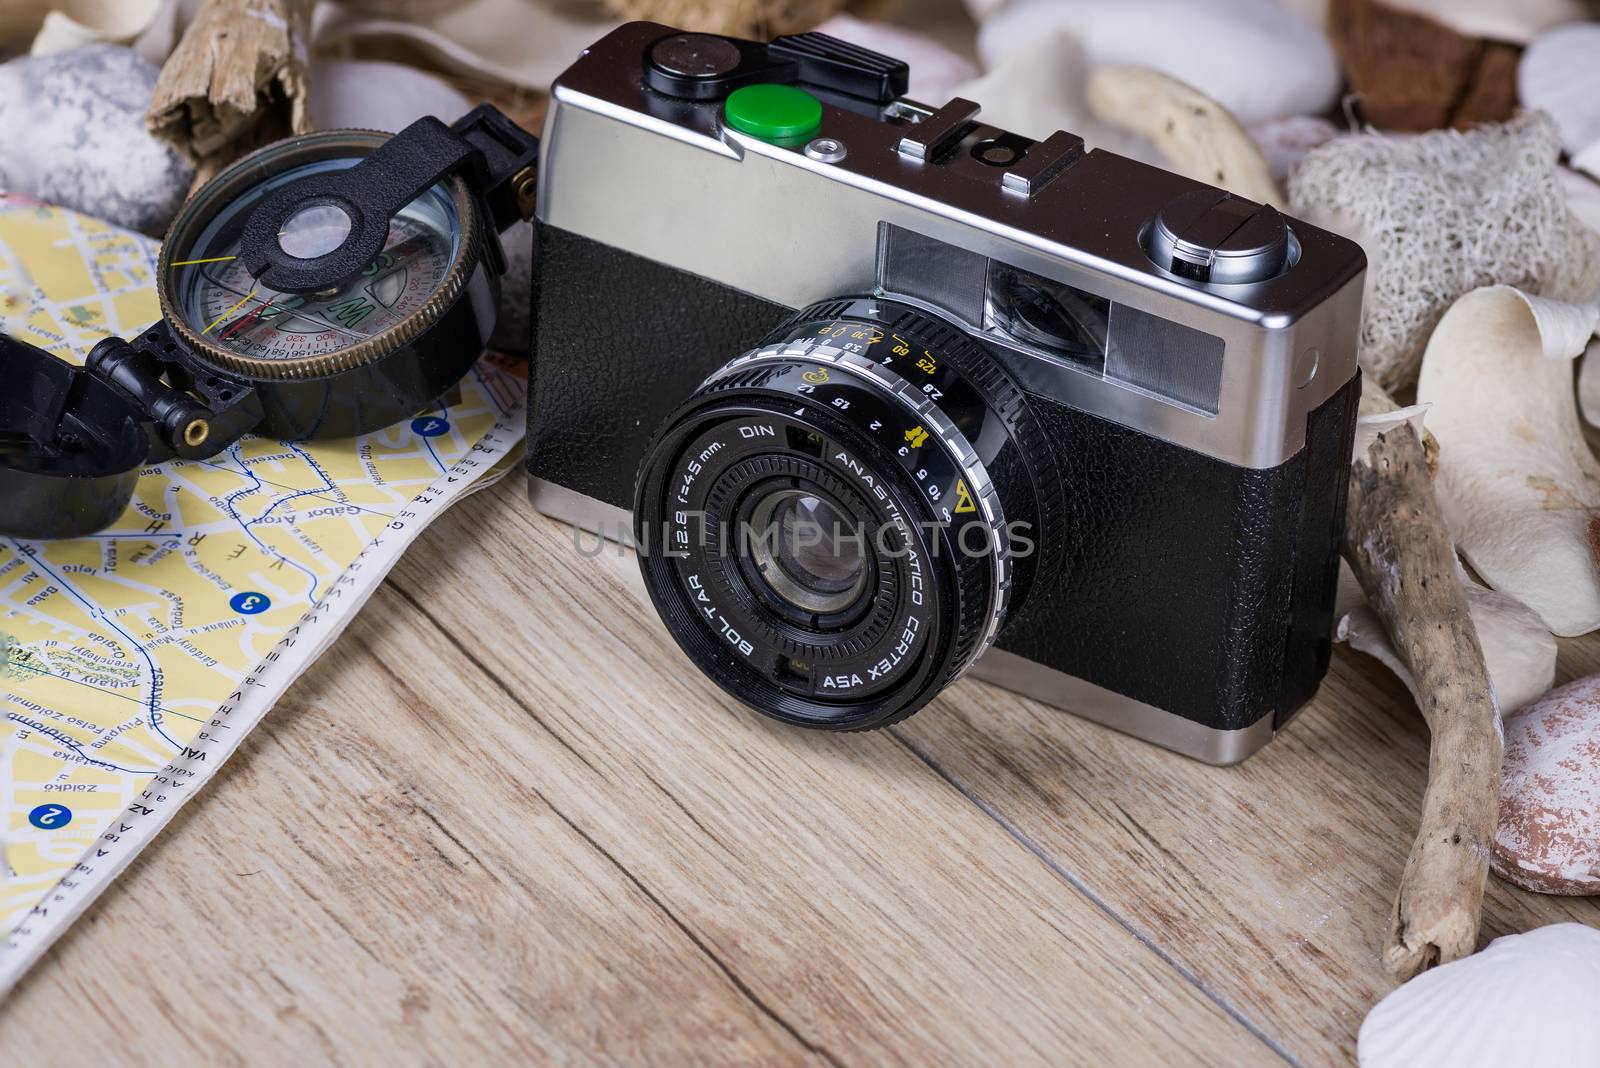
(1038, 456)
(984, 495)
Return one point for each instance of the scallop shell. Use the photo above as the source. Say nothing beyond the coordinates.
(1526, 999)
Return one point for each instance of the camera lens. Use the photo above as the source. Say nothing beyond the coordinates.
(806, 551)
(828, 526)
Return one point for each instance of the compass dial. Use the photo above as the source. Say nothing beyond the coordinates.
(242, 325)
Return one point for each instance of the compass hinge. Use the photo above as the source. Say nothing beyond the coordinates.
(186, 418)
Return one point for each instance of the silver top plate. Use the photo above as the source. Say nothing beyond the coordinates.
(664, 179)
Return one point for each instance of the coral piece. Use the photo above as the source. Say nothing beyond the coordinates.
(1548, 838)
(1441, 214)
(1527, 999)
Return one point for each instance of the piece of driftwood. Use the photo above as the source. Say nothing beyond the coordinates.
(237, 80)
(1396, 543)
(746, 18)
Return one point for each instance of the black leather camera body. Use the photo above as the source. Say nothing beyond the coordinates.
(1086, 423)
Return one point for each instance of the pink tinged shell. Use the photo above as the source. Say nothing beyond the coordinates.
(1548, 838)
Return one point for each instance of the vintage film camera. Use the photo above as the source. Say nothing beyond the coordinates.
(1096, 416)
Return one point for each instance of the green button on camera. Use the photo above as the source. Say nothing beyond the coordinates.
(773, 112)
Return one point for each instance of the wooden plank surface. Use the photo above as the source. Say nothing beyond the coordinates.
(504, 818)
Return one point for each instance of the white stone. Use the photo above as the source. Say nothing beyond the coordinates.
(72, 133)
(1548, 835)
(370, 95)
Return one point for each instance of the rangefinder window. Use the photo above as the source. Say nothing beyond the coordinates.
(1045, 315)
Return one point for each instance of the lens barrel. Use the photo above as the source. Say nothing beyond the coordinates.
(836, 524)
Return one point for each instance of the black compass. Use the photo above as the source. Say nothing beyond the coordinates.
(326, 286)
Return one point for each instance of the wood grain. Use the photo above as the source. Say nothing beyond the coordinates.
(502, 818)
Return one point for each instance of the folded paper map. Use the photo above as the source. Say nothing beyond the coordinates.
(133, 663)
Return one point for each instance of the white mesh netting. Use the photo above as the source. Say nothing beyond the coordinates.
(1441, 214)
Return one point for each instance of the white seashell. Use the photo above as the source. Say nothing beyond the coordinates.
(104, 22)
(1254, 57)
(1196, 134)
(1548, 835)
(935, 70)
(1497, 20)
(525, 43)
(1518, 650)
(1285, 142)
(1041, 87)
(1560, 73)
(1528, 999)
(1517, 484)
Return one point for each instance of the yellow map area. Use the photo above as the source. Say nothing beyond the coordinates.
(116, 650)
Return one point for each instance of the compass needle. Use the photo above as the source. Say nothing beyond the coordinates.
(229, 312)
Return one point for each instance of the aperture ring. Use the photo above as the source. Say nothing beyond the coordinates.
(984, 499)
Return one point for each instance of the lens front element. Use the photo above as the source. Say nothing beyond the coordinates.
(818, 526)
(807, 552)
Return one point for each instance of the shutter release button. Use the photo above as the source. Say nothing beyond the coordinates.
(773, 112)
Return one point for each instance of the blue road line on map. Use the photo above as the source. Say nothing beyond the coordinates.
(244, 524)
(100, 690)
(311, 461)
(429, 443)
(76, 747)
(154, 706)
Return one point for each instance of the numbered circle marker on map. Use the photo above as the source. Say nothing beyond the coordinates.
(326, 286)
(249, 603)
(431, 426)
(50, 817)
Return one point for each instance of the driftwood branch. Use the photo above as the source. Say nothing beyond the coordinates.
(1396, 543)
(237, 80)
